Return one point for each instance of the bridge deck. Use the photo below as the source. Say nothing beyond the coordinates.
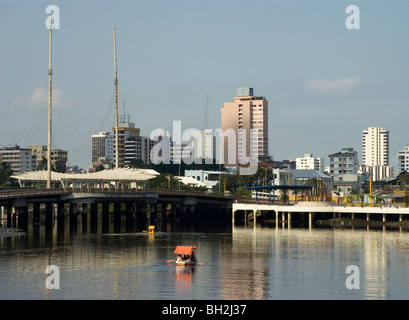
(320, 208)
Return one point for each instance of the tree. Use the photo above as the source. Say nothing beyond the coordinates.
(139, 164)
(59, 166)
(5, 173)
(162, 182)
(43, 164)
(243, 193)
(403, 179)
(100, 168)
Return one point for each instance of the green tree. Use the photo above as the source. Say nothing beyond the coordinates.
(43, 164)
(403, 179)
(59, 166)
(162, 182)
(139, 164)
(243, 193)
(100, 168)
(5, 175)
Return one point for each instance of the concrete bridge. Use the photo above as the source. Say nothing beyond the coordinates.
(22, 205)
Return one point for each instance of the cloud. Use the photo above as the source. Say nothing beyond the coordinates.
(39, 97)
(326, 86)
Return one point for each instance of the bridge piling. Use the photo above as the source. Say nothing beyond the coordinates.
(129, 211)
(153, 214)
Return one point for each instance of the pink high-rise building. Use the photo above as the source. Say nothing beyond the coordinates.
(245, 113)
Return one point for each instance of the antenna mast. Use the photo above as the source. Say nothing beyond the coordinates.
(50, 73)
(116, 108)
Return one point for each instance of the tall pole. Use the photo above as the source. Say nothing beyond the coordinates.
(50, 73)
(116, 108)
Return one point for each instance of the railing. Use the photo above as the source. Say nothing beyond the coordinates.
(17, 193)
(4, 194)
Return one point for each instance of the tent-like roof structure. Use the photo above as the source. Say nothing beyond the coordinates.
(39, 176)
(120, 175)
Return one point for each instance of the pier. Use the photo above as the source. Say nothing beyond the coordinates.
(312, 211)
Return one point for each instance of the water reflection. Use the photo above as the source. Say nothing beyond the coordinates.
(184, 281)
(240, 263)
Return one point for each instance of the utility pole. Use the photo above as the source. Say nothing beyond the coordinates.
(116, 108)
(50, 74)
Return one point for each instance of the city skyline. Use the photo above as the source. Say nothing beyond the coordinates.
(178, 60)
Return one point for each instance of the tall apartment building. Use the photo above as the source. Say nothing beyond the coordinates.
(375, 153)
(126, 131)
(375, 147)
(246, 112)
(138, 148)
(403, 159)
(102, 145)
(309, 162)
(343, 162)
(19, 159)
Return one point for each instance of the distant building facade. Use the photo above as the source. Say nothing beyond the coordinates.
(19, 159)
(309, 162)
(126, 132)
(347, 184)
(210, 178)
(138, 148)
(343, 162)
(59, 158)
(403, 159)
(102, 145)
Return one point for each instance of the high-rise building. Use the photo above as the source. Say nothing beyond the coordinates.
(309, 162)
(403, 159)
(103, 147)
(126, 131)
(138, 148)
(375, 153)
(244, 114)
(375, 147)
(343, 162)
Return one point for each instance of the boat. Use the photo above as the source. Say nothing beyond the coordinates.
(184, 253)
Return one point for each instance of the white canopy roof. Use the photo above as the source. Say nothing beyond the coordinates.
(120, 174)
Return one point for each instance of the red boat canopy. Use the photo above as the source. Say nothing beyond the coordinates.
(184, 250)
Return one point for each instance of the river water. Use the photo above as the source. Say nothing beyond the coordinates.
(240, 263)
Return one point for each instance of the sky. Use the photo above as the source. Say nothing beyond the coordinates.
(179, 60)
